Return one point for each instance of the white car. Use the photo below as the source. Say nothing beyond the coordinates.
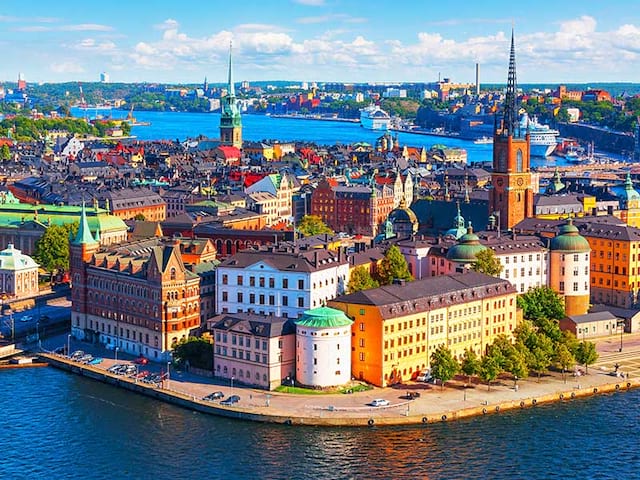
(424, 376)
(379, 402)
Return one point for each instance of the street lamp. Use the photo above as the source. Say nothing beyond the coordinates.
(168, 373)
(621, 327)
(68, 345)
(232, 385)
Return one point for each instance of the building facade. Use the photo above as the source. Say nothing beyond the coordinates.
(397, 327)
(18, 274)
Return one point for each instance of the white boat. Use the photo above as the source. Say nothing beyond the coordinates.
(543, 138)
(374, 118)
(483, 140)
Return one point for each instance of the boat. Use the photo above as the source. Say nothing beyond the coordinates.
(543, 139)
(374, 118)
(483, 140)
(131, 120)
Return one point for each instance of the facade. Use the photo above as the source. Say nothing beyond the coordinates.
(230, 119)
(397, 327)
(323, 348)
(511, 195)
(128, 203)
(353, 209)
(18, 274)
(253, 350)
(629, 199)
(569, 276)
(139, 298)
(283, 282)
(273, 196)
(592, 325)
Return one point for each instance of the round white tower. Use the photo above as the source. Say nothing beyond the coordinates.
(323, 348)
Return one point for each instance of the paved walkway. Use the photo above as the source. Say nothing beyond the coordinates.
(455, 400)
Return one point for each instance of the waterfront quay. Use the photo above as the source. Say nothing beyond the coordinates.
(457, 400)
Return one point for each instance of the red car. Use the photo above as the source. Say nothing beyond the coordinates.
(141, 361)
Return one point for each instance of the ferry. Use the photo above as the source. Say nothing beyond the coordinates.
(483, 140)
(543, 139)
(374, 118)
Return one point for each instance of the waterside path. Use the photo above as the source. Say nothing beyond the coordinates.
(455, 401)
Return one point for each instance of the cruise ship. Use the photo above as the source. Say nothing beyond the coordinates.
(374, 118)
(543, 138)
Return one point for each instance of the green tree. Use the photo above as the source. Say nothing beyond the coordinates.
(393, 266)
(540, 353)
(52, 249)
(564, 358)
(470, 364)
(5, 153)
(443, 366)
(541, 303)
(140, 217)
(361, 279)
(489, 369)
(487, 263)
(571, 342)
(587, 354)
(312, 225)
(194, 351)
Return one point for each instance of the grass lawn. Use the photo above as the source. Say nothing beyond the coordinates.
(300, 390)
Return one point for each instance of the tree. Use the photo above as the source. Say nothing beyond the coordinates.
(5, 153)
(470, 364)
(564, 358)
(52, 249)
(540, 353)
(312, 225)
(487, 263)
(541, 303)
(361, 279)
(443, 366)
(140, 217)
(489, 369)
(587, 354)
(393, 266)
(194, 351)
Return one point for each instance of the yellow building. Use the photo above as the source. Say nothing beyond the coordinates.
(397, 327)
(629, 211)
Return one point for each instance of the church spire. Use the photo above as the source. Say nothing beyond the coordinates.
(231, 87)
(84, 236)
(510, 114)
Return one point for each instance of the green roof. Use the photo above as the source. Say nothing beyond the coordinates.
(324, 317)
(467, 248)
(569, 240)
(84, 236)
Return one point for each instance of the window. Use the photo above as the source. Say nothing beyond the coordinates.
(285, 283)
(301, 284)
(272, 283)
(300, 302)
(252, 298)
(362, 326)
(240, 297)
(225, 279)
(519, 161)
(261, 299)
(261, 282)
(252, 281)
(224, 296)
(239, 279)
(575, 286)
(562, 286)
(285, 300)
(361, 356)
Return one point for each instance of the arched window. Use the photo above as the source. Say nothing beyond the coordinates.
(519, 161)
(173, 273)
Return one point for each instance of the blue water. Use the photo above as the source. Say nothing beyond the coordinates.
(56, 425)
(178, 125)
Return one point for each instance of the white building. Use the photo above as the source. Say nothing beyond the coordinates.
(280, 281)
(272, 196)
(18, 274)
(323, 348)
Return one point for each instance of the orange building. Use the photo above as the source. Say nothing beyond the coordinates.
(129, 203)
(397, 327)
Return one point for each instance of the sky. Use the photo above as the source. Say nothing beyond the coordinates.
(570, 41)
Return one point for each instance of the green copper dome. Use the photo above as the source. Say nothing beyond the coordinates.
(324, 317)
(466, 249)
(569, 240)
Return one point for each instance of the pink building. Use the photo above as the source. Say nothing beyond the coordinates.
(252, 349)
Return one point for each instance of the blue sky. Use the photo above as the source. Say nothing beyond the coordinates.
(319, 40)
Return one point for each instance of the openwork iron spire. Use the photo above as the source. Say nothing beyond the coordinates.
(510, 115)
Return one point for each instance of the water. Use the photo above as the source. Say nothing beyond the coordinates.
(180, 125)
(56, 425)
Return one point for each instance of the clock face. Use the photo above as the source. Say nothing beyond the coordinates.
(520, 182)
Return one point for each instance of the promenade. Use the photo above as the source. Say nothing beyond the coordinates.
(455, 401)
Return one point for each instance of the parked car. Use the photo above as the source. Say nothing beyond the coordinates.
(141, 360)
(411, 395)
(130, 369)
(86, 358)
(115, 368)
(424, 376)
(95, 361)
(76, 355)
(231, 400)
(379, 402)
(214, 396)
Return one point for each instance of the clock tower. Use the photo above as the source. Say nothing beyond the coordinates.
(230, 119)
(511, 194)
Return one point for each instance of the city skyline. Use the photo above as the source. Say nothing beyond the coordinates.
(320, 40)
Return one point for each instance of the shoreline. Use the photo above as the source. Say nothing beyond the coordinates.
(395, 415)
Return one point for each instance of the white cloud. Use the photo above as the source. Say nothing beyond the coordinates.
(311, 3)
(67, 67)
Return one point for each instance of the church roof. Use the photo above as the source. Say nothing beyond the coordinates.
(324, 317)
(13, 259)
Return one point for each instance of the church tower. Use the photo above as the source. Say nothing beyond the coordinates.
(81, 250)
(230, 120)
(511, 194)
